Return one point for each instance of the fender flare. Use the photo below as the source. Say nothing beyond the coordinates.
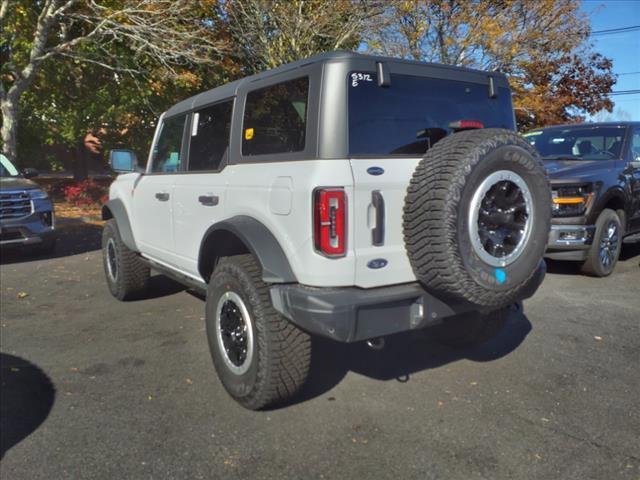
(257, 239)
(613, 194)
(115, 209)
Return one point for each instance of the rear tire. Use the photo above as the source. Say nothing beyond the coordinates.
(127, 275)
(261, 358)
(607, 242)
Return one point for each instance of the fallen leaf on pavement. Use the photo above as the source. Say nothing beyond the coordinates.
(22, 294)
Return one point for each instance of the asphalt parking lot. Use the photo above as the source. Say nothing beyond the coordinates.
(94, 388)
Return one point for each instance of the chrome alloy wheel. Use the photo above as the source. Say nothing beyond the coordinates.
(501, 218)
(112, 260)
(234, 332)
(609, 245)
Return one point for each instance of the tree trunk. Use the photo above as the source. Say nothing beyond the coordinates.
(9, 108)
(80, 169)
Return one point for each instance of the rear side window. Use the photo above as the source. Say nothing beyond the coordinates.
(275, 118)
(210, 137)
(166, 154)
(413, 113)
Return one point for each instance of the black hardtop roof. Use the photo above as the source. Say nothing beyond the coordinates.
(230, 89)
(623, 123)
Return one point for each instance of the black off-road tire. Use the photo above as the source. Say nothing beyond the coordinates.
(281, 354)
(471, 328)
(437, 217)
(129, 278)
(594, 265)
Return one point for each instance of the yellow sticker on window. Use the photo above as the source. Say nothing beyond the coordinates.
(248, 134)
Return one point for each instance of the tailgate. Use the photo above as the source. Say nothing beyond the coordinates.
(380, 186)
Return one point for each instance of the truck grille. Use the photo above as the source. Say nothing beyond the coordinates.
(15, 204)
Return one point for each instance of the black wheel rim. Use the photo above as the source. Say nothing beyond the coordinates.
(501, 218)
(112, 260)
(609, 245)
(234, 332)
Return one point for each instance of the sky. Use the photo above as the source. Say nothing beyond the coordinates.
(623, 48)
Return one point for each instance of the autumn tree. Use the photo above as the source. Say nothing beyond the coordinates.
(126, 37)
(269, 33)
(541, 45)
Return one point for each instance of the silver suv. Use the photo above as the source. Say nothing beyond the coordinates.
(26, 211)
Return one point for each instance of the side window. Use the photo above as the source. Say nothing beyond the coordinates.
(635, 145)
(275, 118)
(210, 137)
(166, 153)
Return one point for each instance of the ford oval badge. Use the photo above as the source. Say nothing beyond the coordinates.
(375, 171)
(377, 263)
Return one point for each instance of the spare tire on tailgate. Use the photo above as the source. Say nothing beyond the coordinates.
(477, 217)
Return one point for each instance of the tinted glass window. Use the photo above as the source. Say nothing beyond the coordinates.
(275, 118)
(578, 143)
(635, 145)
(210, 137)
(166, 154)
(413, 113)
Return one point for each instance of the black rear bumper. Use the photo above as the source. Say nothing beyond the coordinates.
(352, 314)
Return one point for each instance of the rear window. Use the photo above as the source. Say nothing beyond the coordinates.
(275, 118)
(413, 113)
(578, 143)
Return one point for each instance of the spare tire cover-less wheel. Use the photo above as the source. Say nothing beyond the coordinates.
(477, 217)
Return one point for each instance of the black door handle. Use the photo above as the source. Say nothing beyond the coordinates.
(208, 200)
(162, 196)
(377, 234)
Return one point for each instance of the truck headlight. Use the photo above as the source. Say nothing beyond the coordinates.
(38, 194)
(571, 200)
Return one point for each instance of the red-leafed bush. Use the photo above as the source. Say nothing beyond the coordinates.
(85, 193)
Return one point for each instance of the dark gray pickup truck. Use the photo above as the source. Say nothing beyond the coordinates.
(26, 211)
(595, 178)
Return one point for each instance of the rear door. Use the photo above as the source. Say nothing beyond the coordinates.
(199, 193)
(152, 197)
(390, 129)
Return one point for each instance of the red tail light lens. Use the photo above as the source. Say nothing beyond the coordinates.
(465, 125)
(330, 221)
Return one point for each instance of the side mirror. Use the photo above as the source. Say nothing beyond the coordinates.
(29, 173)
(123, 161)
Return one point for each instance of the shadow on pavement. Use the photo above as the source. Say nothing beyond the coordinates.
(403, 355)
(160, 286)
(74, 237)
(26, 398)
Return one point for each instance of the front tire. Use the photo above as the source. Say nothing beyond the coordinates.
(261, 358)
(126, 274)
(607, 242)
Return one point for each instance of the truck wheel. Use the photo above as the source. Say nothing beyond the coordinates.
(607, 243)
(477, 217)
(261, 357)
(127, 275)
(471, 328)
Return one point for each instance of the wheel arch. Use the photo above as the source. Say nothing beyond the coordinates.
(614, 199)
(115, 209)
(243, 234)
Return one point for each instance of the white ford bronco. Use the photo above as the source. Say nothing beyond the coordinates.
(345, 196)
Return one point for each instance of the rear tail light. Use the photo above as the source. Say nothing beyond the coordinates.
(465, 125)
(330, 221)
